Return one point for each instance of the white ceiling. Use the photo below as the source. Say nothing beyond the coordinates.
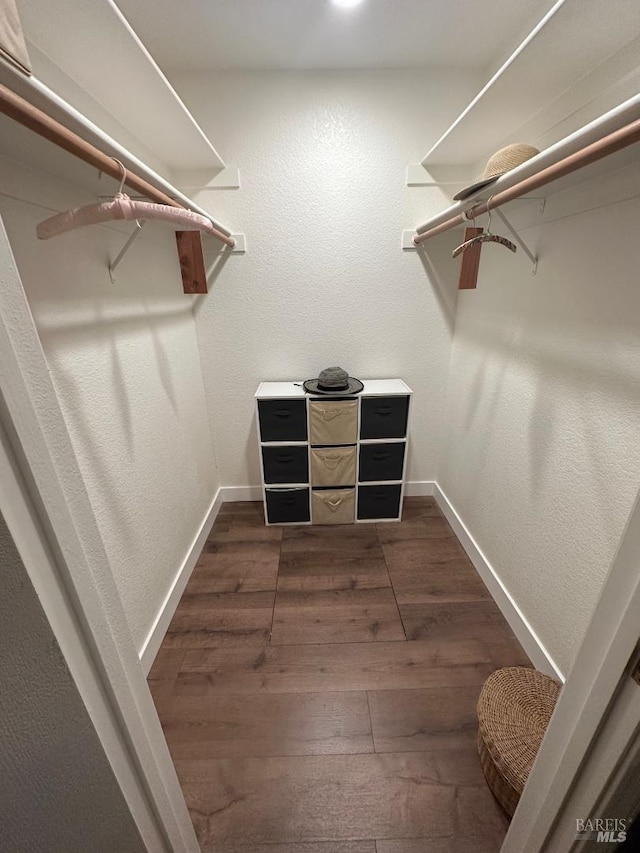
(314, 34)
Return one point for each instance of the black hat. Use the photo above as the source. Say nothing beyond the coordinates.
(333, 381)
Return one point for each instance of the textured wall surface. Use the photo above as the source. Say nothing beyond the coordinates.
(126, 366)
(537, 434)
(57, 790)
(323, 203)
(542, 450)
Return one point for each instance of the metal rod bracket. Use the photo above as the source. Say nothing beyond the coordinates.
(519, 241)
(125, 249)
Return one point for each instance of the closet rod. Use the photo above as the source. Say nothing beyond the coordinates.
(627, 135)
(20, 110)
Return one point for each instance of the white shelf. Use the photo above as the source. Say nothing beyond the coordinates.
(617, 118)
(23, 146)
(293, 390)
(583, 61)
(86, 47)
(33, 150)
(283, 443)
(282, 390)
(382, 440)
(284, 486)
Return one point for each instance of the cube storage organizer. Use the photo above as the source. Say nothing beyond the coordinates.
(333, 460)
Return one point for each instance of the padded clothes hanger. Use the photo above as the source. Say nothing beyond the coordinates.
(485, 237)
(122, 207)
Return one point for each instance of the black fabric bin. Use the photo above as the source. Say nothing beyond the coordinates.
(283, 420)
(286, 464)
(379, 501)
(287, 505)
(381, 461)
(384, 417)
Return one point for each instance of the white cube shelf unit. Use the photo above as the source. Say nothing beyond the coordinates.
(333, 459)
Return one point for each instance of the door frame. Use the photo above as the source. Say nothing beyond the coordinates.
(50, 517)
(598, 691)
(607, 786)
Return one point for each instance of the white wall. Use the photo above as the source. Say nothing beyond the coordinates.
(541, 457)
(537, 435)
(126, 366)
(323, 202)
(57, 789)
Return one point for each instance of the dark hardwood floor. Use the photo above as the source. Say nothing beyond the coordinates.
(317, 688)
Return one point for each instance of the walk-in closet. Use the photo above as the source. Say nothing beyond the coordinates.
(319, 426)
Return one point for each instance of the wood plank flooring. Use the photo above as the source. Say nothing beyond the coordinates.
(317, 688)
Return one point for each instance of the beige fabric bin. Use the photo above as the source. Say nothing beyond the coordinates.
(333, 421)
(333, 506)
(333, 466)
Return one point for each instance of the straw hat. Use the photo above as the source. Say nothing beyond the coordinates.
(498, 164)
(333, 380)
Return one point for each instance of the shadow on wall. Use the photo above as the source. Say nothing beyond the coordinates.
(105, 333)
(442, 272)
(252, 454)
(82, 431)
(100, 328)
(561, 386)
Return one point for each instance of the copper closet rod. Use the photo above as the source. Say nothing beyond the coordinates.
(615, 141)
(31, 117)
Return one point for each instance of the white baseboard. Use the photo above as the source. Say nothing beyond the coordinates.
(419, 488)
(155, 636)
(240, 493)
(527, 637)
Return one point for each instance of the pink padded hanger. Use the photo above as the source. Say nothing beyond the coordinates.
(122, 207)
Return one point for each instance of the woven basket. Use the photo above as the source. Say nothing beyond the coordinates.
(514, 710)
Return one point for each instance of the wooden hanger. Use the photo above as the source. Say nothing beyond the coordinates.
(485, 237)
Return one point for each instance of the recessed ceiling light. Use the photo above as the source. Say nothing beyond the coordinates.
(346, 4)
